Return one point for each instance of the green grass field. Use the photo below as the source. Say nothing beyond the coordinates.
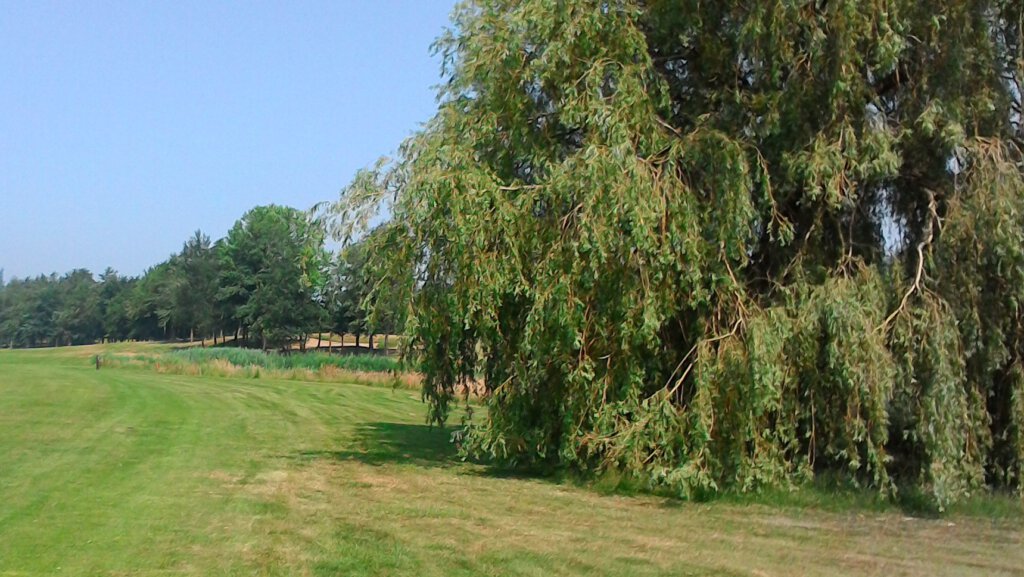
(132, 472)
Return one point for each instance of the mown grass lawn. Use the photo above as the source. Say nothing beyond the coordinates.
(129, 472)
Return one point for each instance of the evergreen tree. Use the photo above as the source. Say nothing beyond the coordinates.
(273, 265)
(196, 286)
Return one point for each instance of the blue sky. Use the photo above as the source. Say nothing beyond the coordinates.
(125, 126)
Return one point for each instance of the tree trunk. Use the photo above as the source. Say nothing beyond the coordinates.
(369, 341)
(357, 340)
(264, 341)
(319, 339)
(191, 335)
(385, 342)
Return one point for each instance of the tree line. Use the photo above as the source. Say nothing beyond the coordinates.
(268, 283)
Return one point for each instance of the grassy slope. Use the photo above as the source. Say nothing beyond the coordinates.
(118, 472)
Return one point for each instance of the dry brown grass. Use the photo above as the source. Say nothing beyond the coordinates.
(151, 358)
(223, 368)
(482, 518)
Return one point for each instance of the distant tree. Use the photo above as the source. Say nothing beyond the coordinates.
(149, 303)
(37, 310)
(4, 312)
(351, 288)
(114, 310)
(360, 305)
(7, 323)
(78, 317)
(224, 307)
(336, 310)
(273, 263)
(233, 284)
(194, 280)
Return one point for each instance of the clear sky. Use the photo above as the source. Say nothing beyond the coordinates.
(125, 126)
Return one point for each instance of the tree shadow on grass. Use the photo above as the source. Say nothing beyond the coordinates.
(394, 443)
(383, 443)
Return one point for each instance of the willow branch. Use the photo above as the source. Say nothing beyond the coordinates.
(916, 286)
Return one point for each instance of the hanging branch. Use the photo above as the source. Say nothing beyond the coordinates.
(916, 286)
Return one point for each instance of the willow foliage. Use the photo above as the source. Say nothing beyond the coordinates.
(722, 244)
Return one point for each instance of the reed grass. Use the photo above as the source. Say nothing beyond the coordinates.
(254, 364)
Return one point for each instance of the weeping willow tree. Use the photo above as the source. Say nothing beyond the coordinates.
(721, 244)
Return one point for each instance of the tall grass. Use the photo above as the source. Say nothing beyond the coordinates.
(253, 364)
(313, 361)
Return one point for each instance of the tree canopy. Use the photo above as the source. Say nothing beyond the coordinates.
(275, 257)
(722, 244)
